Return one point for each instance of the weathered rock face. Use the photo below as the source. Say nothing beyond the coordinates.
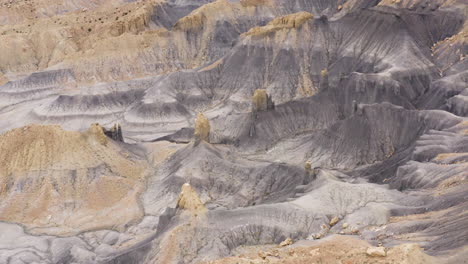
(202, 128)
(376, 252)
(261, 101)
(319, 118)
(61, 182)
(189, 200)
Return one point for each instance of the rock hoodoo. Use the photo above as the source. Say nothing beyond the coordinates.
(202, 128)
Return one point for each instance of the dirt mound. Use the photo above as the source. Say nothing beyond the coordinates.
(75, 180)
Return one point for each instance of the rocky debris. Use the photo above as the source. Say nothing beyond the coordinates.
(376, 252)
(337, 249)
(288, 241)
(268, 255)
(345, 225)
(324, 229)
(202, 128)
(334, 221)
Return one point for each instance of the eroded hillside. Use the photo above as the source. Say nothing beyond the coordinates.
(233, 131)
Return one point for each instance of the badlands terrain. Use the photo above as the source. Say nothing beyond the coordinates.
(233, 131)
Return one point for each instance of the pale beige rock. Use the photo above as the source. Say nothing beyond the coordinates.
(292, 21)
(260, 100)
(58, 163)
(334, 220)
(202, 128)
(286, 242)
(315, 252)
(308, 167)
(254, 3)
(189, 200)
(376, 252)
(412, 254)
(324, 73)
(262, 255)
(97, 132)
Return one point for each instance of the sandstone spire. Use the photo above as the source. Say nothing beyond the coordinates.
(202, 128)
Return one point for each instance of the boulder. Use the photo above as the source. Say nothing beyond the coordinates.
(376, 252)
(288, 241)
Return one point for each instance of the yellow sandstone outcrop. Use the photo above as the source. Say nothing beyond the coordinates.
(189, 200)
(64, 182)
(291, 21)
(97, 132)
(247, 3)
(202, 128)
(195, 20)
(260, 100)
(74, 38)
